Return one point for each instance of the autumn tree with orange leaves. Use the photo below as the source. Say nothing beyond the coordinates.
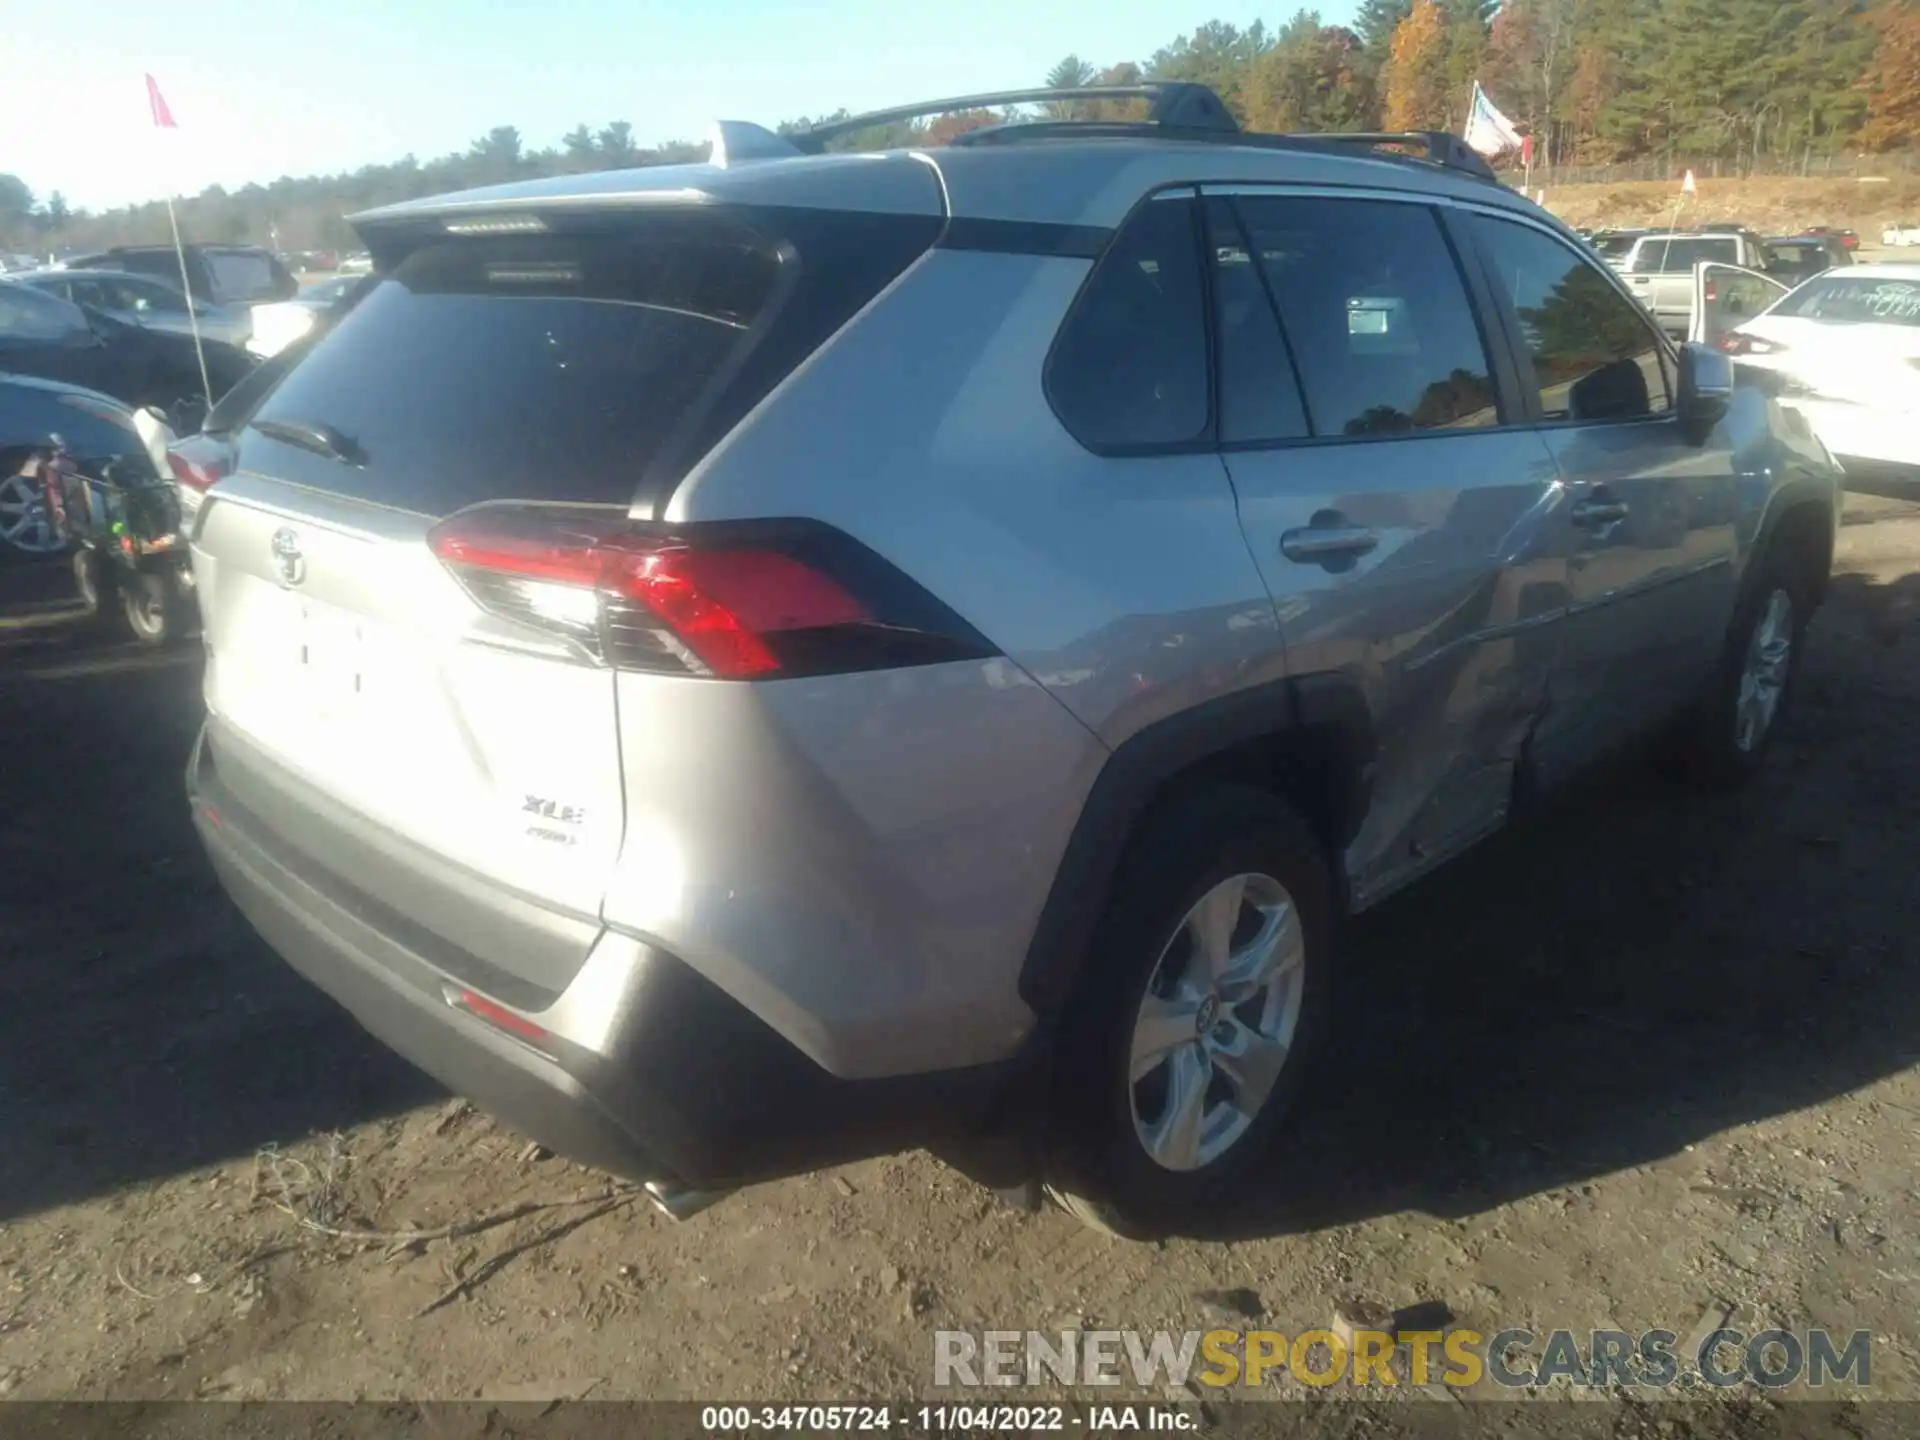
(1892, 81)
(1414, 84)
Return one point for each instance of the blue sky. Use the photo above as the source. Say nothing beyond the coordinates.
(263, 88)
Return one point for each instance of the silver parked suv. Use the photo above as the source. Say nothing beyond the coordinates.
(743, 666)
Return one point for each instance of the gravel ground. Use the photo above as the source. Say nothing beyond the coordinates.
(1649, 1062)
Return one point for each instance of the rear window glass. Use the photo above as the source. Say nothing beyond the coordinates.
(1658, 257)
(1612, 247)
(241, 274)
(1847, 301)
(560, 366)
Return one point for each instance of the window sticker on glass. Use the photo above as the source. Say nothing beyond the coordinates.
(1366, 318)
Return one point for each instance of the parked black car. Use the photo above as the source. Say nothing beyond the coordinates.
(77, 475)
(217, 274)
(54, 339)
(1794, 258)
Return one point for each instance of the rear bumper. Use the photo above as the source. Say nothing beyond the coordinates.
(681, 1085)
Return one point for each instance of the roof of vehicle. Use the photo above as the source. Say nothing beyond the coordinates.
(90, 272)
(189, 245)
(1080, 174)
(62, 387)
(1810, 242)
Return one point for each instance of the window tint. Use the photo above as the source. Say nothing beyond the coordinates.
(130, 294)
(1259, 392)
(241, 274)
(26, 314)
(1130, 365)
(1595, 353)
(1664, 256)
(1375, 312)
(1851, 301)
(560, 366)
(151, 262)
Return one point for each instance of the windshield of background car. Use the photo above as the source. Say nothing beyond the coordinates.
(1612, 247)
(1846, 300)
(1663, 257)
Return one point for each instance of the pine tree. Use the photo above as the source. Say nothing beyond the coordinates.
(1375, 24)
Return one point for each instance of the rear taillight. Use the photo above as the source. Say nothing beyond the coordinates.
(732, 601)
(1734, 343)
(199, 461)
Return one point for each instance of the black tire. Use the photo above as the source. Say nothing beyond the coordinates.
(1710, 749)
(1098, 1167)
(150, 605)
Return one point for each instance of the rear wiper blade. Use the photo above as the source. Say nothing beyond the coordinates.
(320, 439)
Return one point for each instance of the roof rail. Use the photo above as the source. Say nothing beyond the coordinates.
(1435, 147)
(1176, 105)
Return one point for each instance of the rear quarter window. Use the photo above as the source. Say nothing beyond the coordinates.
(241, 275)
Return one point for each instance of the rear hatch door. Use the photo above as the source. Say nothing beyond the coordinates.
(425, 752)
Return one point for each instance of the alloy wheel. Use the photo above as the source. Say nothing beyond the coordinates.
(24, 523)
(1216, 1023)
(1763, 679)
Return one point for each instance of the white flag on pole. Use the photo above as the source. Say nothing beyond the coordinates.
(1489, 131)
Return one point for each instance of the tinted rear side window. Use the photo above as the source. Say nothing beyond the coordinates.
(562, 366)
(1129, 368)
(242, 274)
(1375, 312)
(1664, 257)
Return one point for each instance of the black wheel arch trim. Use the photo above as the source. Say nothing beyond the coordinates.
(1796, 496)
(1132, 776)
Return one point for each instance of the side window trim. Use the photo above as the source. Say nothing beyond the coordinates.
(1516, 339)
(1513, 390)
(1216, 347)
(1511, 395)
(1186, 195)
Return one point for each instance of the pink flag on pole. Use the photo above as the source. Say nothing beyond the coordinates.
(157, 103)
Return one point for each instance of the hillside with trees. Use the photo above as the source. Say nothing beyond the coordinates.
(1748, 85)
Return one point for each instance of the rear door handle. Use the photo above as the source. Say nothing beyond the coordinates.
(1594, 513)
(1327, 542)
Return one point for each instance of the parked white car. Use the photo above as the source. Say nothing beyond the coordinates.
(1901, 234)
(1848, 345)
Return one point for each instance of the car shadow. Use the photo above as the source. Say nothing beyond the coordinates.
(146, 1030)
(1636, 969)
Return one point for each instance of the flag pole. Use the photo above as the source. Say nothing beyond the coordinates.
(193, 314)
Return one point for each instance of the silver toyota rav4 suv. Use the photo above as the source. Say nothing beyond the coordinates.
(744, 666)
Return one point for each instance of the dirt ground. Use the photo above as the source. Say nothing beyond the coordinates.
(1771, 204)
(1649, 1062)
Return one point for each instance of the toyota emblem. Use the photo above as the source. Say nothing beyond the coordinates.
(287, 558)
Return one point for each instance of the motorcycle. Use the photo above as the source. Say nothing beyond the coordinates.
(122, 523)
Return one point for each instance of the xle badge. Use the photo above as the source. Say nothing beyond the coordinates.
(552, 811)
